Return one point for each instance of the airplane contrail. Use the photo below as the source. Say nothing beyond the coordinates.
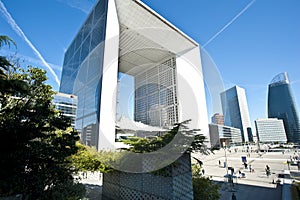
(229, 23)
(29, 59)
(84, 6)
(19, 31)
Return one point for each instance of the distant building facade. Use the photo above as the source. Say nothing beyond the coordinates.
(281, 105)
(270, 130)
(235, 110)
(217, 119)
(67, 105)
(224, 134)
(156, 95)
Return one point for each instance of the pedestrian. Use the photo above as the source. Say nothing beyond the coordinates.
(250, 168)
(245, 164)
(203, 171)
(233, 197)
(268, 171)
(100, 176)
(200, 163)
(219, 162)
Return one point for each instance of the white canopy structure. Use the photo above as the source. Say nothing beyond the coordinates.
(125, 123)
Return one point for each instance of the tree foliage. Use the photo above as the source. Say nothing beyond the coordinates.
(89, 159)
(36, 140)
(142, 145)
(7, 84)
(203, 187)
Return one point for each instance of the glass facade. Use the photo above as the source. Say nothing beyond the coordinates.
(156, 95)
(270, 130)
(235, 109)
(220, 133)
(281, 105)
(67, 105)
(217, 119)
(82, 69)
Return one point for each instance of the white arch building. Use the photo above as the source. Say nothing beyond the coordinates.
(127, 36)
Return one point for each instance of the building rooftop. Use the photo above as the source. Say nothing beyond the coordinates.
(279, 79)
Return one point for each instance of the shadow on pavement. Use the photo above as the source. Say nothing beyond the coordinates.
(245, 192)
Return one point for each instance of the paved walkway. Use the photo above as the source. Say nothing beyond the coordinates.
(93, 185)
(256, 185)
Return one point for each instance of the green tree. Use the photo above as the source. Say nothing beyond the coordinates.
(8, 85)
(141, 145)
(89, 159)
(36, 140)
(203, 187)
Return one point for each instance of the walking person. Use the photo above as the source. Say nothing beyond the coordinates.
(268, 172)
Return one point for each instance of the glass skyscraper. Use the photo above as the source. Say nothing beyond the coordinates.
(235, 110)
(281, 105)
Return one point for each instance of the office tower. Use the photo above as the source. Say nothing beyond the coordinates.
(67, 105)
(164, 62)
(281, 105)
(235, 110)
(217, 119)
(220, 134)
(270, 130)
(156, 95)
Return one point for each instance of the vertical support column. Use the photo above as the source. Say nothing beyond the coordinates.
(191, 92)
(109, 80)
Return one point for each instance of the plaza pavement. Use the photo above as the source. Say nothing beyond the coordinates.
(256, 185)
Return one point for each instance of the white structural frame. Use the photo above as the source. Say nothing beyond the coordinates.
(190, 84)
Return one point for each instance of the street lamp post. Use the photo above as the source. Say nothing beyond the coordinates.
(226, 164)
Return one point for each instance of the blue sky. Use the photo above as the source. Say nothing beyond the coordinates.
(249, 41)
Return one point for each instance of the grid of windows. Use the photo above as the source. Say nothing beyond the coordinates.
(156, 96)
(91, 34)
(67, 105)
(219, 132)
(270, 130)
(82, 70)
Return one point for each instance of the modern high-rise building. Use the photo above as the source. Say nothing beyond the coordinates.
(281, 105)
(217, 119)
(224, 134)
(235, 110)
(126, 36)
(67, 105)
(270, 130)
